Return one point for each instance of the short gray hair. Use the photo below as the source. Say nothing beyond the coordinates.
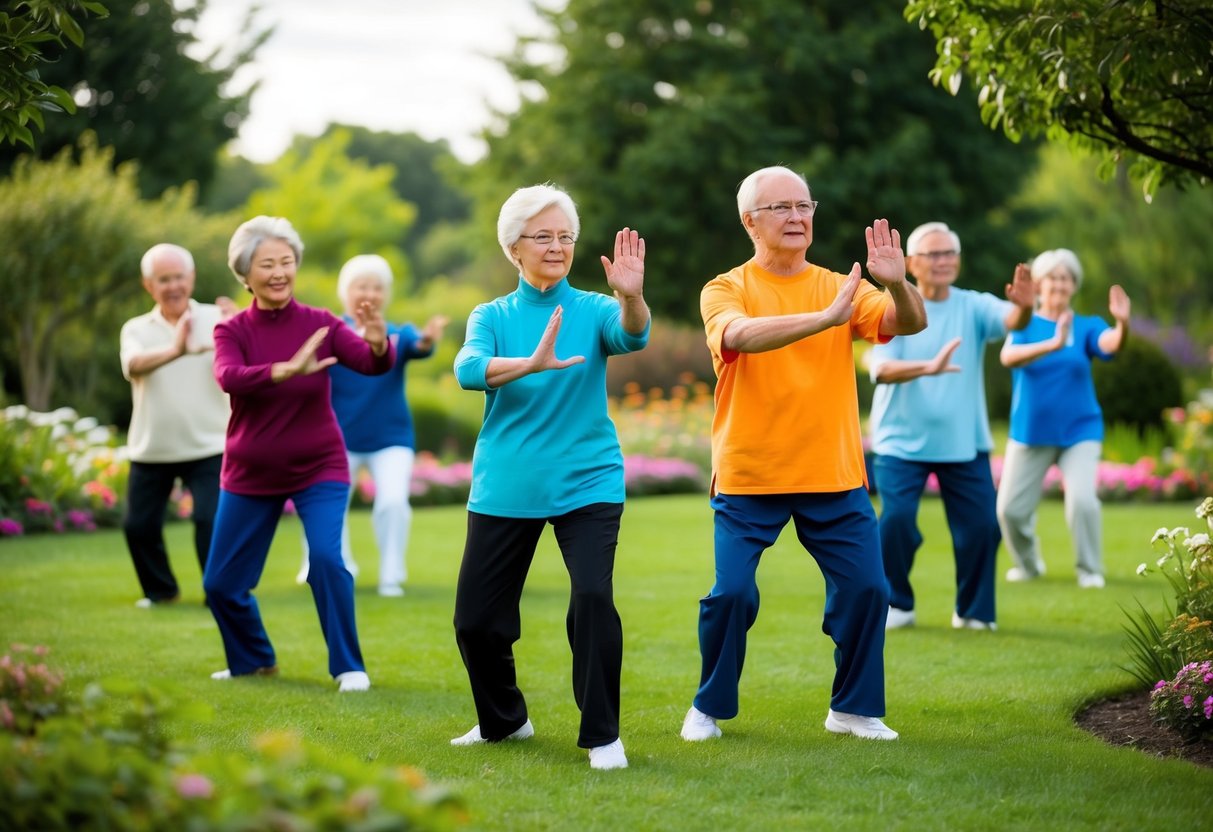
(1047, 261)
(147, 264)
(915, 238)
(253, 233)
(525, 203)
(363, 265)
(747, 191)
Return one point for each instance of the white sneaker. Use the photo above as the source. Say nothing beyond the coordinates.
(698, 726)
(959, 623)
(144, 603)
(391, 590)
(353, 680)
(301, 578)
(474, 736)
(899, 618)
(1090, 580)
(221, 675)
(865, 727)
(608, 756)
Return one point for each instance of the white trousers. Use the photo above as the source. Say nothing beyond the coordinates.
(1019, 492)
(392, 472)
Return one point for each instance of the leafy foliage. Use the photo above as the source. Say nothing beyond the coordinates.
(138, 88)
(75, 233)
(1138, 385)
(27, 29)
(652, 112)
(1127, 79)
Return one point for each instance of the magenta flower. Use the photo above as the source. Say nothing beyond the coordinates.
(10, 527)
(1188, 700)
(194, 787)
(1209, 708)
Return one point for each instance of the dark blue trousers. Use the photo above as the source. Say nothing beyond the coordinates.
(244, 529)
(839, 531)
(967, 489)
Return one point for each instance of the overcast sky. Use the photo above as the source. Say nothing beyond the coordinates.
(400, 65)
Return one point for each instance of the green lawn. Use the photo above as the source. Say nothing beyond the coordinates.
(987, 739)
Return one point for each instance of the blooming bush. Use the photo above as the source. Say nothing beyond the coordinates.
(1186, 702)
(30, 692)
(1177, 658)
(107, 761)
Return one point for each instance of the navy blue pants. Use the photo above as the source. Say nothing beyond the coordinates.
(967, 489)
(244, 529)
(839, 531)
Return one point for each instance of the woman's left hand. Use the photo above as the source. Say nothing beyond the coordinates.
(371, 327)
(625, 274)
(1118, 304)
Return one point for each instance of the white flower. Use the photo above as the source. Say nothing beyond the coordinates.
(1161, 534)
(1198, 543)
(1178, 532)
(1205, 509)
(19, 411)
(1142, 569)
(1164, 559)
(64, 415)
(84, 425)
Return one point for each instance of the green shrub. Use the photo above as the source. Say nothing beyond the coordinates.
(1138, 385)
(109, 763)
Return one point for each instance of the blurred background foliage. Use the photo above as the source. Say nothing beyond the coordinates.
(649, 114)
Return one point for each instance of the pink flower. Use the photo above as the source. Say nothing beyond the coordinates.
(1209, 708)
(194, 787)
(37, 506)
(1162, 683)
(10, 527)
(1188, 700)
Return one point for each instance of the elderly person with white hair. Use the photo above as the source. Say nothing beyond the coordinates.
(376, 423)
(283, 443)
(547, 454)
(929, 417)
(1055, 417)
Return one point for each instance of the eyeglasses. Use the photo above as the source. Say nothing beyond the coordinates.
(783, 210)
(544, 238)
(939, 255)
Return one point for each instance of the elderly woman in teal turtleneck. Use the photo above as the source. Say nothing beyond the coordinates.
(547, 453)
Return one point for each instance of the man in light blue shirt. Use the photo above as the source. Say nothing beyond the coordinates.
(929, 417)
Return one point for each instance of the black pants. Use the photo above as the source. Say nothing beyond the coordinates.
(496, 559)
(148, 492)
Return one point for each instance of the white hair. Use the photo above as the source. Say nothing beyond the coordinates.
(147, 266)
(363, 265)
(915, 238)
(747, 191)
(525, 203)
(253, 233)
(1047, 261)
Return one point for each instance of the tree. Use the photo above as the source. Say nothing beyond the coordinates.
(340, 207)
(424, 173)
(654, 110)
(69, 270)
(1125, 79)
(136, 86)
(23, 37)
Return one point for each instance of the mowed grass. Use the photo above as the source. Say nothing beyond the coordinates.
(988, 740)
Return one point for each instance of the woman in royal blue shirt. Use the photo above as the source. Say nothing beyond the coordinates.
(1055, 417)
(547, 453)
(376, 423)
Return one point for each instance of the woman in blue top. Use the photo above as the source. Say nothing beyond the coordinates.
(1055, 417)
(376, 424)
(547, 453)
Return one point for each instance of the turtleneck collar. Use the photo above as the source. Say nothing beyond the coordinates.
(551, 297)
(272, 314)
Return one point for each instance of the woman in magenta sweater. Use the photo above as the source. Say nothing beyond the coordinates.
(283, 443)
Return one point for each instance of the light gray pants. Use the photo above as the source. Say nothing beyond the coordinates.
(1023, 473)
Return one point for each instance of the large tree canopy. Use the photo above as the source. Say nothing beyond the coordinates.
(1127, 79)
(655, 110)
(26, 30)
(137, 88)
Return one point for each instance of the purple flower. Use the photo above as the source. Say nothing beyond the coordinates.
(1188, 700)
(1162, 683)
(1209, 708)
(194, 787)
(10, 527)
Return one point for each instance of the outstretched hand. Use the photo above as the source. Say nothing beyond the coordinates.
(843, 306)
(432, 331)
(1118, 304)
(304, 361)
(371, 326)
(625, 274)
(1065, 321)
(1021, 291)
(544, 356)
(886, 261)
(942, 362)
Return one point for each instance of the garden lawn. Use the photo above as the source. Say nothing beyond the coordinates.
(987, 737)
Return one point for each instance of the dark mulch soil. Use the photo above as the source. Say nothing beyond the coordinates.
(1125, 720)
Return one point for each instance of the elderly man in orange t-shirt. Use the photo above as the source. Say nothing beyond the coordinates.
(786, 445)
